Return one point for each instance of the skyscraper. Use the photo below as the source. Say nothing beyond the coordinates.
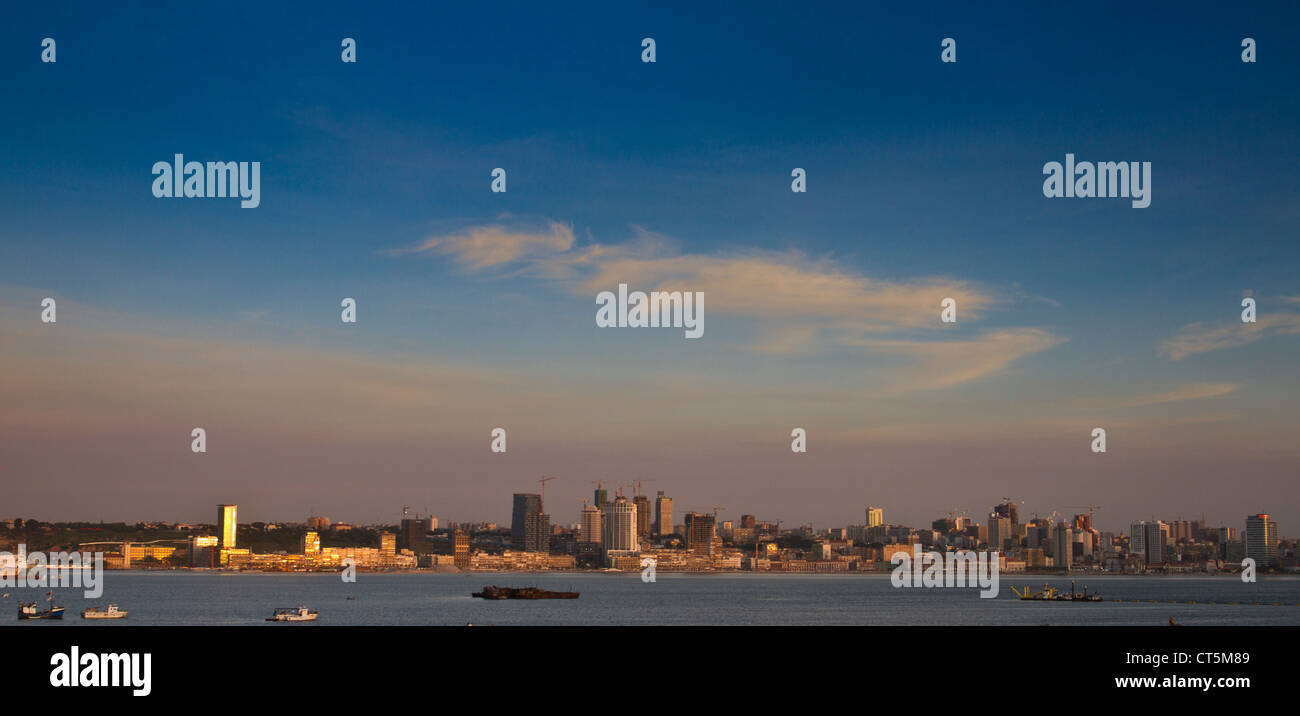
(460, 548)
(226, 525)
(530, 530)
(1008, 510)
(620, 537)
(875, 516)
(591, 525)
(1063, 547)
(699, 533)
(663, 514)
(1148, 539)
(1261, 540)
(642, 504)
(999, 531)
(412, 533)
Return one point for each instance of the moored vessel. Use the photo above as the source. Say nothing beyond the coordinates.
(112, 612)
(29, 611)
(1050, 594)
(293, 614)
(495, 592)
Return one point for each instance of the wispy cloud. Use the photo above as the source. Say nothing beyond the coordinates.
(1199, 338)
(496, 245)
(1194, 391)
(797, 302)
(945, 363)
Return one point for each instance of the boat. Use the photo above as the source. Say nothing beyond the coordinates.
(29, 611)
(1049, 594)
(494, 592)
(293, 614)
(112, 612)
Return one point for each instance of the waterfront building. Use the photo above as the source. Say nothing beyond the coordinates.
(412, 533)
(1063, 547)
(226, 521)
(590, 529)
(530, 529)
(619, 538)
(699, 533)
(663, 514)
(1261, 540)
(310, 543)
(460, 548)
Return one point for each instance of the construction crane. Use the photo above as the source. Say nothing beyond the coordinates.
(1091, 509)
(636, 486)
(544, 480)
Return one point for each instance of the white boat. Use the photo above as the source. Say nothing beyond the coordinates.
(112, 612)
(293, 614)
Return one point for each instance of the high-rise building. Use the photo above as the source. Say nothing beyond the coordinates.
(642, 504)
(1148, 539)
(387, 543)
(1008, 510)
(1261, 540)
(620, 537)
(310, 542)
(460, 548)
(412, 533)
(663, 514)
(699, 533)
(226, 525)
(318, 523)
(537, 532)
(875, 516)
(591, 525)
(601, 497)
(999, 531)
(530, 530)
(748, 522)
(1063, 547)
(1038, 533)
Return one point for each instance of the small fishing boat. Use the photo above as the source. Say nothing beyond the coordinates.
(293, 614)
(112, 612)
(29, 611)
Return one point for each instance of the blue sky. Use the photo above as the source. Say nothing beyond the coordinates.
(917, 171)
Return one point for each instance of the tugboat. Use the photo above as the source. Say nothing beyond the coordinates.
(96, 613)
(1049, 594)
(494, 592)
(29, 611)
(293, 614)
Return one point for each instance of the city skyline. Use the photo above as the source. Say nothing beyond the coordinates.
(475, 309)
(524, 504)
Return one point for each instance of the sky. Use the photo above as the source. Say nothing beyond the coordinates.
(475, 309)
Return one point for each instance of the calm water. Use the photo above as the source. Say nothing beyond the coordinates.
(171, 598)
